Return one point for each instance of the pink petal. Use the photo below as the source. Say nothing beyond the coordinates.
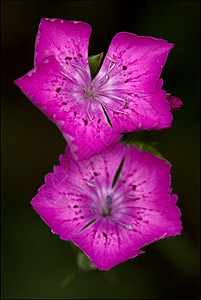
(61, 98)
(146, 175)
(63, 39)
(139, 61)
(44, 86)
(132, 93)
(62, 205)
(105, 244)
(101, 167)
(151, 210)
(141, 112)
(89, 138)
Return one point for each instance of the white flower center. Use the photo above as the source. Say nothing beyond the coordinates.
(99, 93)
(90, 92)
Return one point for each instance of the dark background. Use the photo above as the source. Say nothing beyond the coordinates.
(35, 262)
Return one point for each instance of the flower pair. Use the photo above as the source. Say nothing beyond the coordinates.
(109, 199)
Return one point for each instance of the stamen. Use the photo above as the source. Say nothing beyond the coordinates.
(98, 81)
(118, 111)
(111, 59)
(131, 196)
(90, 183)
(127, 226)
(78, 66)
(104, 94)
(68, 76)
(110, 66)
(88, 106)
(93, 210)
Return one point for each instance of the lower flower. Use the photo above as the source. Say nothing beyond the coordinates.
(110, 205)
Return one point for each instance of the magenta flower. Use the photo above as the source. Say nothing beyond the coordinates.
(124, 96)
(110, 217)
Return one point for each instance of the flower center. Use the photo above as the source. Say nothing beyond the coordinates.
(110, 203)
(90, 92)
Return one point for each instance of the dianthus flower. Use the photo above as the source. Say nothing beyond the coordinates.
(92, 113)
(110, 205)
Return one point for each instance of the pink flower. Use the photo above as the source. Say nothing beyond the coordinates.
(110, 217)
(127, 89)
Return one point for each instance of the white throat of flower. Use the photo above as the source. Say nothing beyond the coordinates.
(99, 92)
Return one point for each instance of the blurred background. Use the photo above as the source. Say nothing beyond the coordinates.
(36, 263)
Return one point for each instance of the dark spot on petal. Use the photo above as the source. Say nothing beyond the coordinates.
(105, 235)
(85, 122)
(80, 55)
(58, 90)
(107, 174)
(68, 57)
(75, 113)
(139, 218)
(81, 217)
(64, 103)
(123, 181)
(134, 187)
(99, 120)
(126, 81)
(124, 67)
(64, 78)
(75, 206)
(126, 106)
(96, 174)
(137, 198)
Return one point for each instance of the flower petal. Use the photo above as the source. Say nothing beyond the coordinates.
(147, 177)
(147, 205)
(131, 89)
(105, 244)
(63, 39)
(152, 225)
(45, 87)
(135, 62)
(140, 111)
(100, 168)
(89, 137)
(62, 99)
(62, 205)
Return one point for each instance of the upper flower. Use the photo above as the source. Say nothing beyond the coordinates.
(124, 96)
(110, 205)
